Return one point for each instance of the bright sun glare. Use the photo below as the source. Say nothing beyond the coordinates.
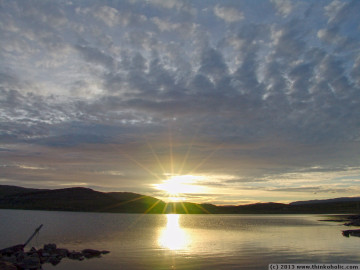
(180, 184)
(173, 236)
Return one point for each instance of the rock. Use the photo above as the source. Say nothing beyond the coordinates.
(20, 256)
(33, 259)
(50, 247)
(348, 233)
(32, 251)
(75, 255)
(11, 250)
(63, 252)
(10, 259)
(7, 266)
(355, 222)
(30, 262)
(43, 253)
(54, 260)
(90, 253)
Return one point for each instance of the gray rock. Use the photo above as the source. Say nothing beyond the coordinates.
(11, 250)
(50, 247)
(7, 266)
(33, 259)
(54, 260)
(30, 262)
(63, 252)
(74, 255)
(348, 233)
(90, 253)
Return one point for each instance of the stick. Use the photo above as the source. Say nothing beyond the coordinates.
(31, 237)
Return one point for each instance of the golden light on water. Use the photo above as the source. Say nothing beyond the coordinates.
(174, 237)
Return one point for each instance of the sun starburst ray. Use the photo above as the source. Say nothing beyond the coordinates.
(204, 160)
(203, 209)
(151, 207)
(122, 203)
(141, 165)
(171, 151)
(155, 156)
(188, 151)
(184, 207)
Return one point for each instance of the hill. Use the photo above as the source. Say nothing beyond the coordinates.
(343, 199)
(88, 200)
(10, 190)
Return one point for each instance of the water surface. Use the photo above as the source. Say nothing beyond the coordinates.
(182, 241)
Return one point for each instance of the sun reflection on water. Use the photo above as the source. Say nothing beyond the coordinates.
(174, 237)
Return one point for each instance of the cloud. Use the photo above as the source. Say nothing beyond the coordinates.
(283, 7)
(228, 14)
(256, 97)
(334, 10)
(212, 63)
(314, 189)
(173, 5)
(95, 56)
(110, 16)
(355, 72)
(165, 25)
(289, 41)
(169, 4)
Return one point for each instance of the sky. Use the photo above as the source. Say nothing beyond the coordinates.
(224, 102)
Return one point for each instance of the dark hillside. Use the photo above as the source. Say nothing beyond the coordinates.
(68, 199)
(11, 190)
(88, 200)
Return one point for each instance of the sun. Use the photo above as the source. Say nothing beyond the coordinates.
(180, 184)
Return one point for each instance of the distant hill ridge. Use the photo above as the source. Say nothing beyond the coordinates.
(83, 199)
(342, 199)
(88, 200)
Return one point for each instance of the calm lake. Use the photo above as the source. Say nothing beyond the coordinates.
(182, 241)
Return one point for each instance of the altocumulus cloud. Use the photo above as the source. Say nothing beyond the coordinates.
(230, 90)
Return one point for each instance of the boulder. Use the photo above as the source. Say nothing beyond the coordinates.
(44, 253)
(10, 259)
(90, 253)
(348, 233)
(11, 250)
(7, 266)
(33, 259)
(50, 247)
(54, 260)
(62, 252)
(355, 222)
(74, 255)
(30, 262)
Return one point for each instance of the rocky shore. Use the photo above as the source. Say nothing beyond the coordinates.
(350, 220)
(353, 220)
(15, 258)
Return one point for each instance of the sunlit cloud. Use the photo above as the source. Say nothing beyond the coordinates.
(29, 167)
